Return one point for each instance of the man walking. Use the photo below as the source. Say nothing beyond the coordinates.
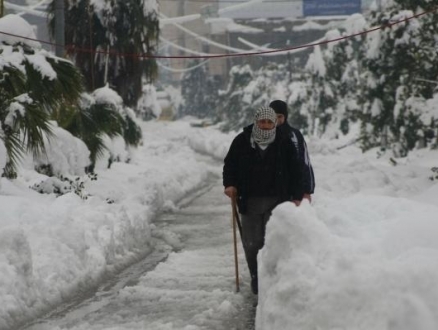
(261, 170)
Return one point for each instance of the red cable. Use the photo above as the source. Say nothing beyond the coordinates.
(87, 50)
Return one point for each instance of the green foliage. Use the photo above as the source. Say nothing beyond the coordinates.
(118, 26)
(193, 91)
(246, 92)
(12, 84)
(233, 111)
(382, 84)
(200, 92)
(402, 70)
(91, 121)
(30, 97)
(132, 133)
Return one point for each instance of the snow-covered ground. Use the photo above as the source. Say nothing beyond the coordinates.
(362, 256)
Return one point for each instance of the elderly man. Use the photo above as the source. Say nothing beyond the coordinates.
(261, 170)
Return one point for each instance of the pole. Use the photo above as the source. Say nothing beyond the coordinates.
(182, 36)
(59, 28)
(236, 223)
(106, 66)
(289, 62)
(90, 30)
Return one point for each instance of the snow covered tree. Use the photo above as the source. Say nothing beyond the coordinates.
(381, 80)
(100, 115)
(247, 91)
(199, 92)
(321, 97)
(296, 100)
(342, 60)
(193, 90)
(34, 87)
(400, 64)
(232, 110)
(329, 86)
(148, 106)
(128, 30)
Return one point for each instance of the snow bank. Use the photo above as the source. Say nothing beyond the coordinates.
(52, 247)
(363, 256)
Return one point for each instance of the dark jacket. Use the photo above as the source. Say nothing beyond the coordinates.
(303, 156)
(242, 161)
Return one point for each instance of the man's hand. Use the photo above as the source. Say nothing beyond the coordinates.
(308, 197)
(230, 191)
(296, 202)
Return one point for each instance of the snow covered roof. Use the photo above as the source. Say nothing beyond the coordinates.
(265, 10)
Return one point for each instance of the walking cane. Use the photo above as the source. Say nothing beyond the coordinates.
(236, 223)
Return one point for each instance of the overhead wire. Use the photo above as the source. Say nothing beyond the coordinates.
(242, 54)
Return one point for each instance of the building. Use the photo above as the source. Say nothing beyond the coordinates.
(274, 23)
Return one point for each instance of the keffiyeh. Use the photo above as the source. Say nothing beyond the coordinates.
(263, 137)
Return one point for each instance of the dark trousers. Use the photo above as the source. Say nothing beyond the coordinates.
(253, 228)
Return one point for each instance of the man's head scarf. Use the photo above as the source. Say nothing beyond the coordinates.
(263, 137)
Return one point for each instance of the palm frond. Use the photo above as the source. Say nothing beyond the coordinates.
(34, 124)
(107, 119)
(132, 133)
(14, 149)
(53, 92)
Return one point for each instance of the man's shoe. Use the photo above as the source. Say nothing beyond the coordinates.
(254, 285)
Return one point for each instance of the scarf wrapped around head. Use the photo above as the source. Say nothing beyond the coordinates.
(263, 137)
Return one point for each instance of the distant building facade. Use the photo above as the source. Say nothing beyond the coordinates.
(272, 23)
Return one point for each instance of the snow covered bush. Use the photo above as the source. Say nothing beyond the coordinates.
(64, 184)
(147, 106)
(100, 120)
(34, 85)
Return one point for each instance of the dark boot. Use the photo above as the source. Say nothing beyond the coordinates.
(254, 284)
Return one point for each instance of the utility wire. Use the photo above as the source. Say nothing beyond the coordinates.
(242, 54)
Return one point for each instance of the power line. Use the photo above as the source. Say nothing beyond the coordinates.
(243, 54)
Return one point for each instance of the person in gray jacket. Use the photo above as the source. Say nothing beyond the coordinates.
(292, 133)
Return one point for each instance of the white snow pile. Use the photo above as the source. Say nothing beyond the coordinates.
(51, 247)
(363, 256)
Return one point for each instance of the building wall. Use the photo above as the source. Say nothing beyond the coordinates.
(277, 25)
(173, 34)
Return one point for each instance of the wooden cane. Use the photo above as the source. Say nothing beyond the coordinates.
(235, 224)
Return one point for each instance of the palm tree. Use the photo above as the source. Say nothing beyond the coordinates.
(30, 97)
(91, 120)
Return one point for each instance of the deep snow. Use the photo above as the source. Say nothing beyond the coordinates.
(362, 256)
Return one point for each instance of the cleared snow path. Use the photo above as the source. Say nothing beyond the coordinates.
(189, 288)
